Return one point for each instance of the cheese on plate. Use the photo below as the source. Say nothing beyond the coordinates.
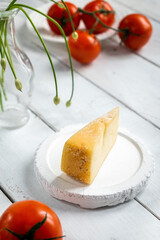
(85, 151)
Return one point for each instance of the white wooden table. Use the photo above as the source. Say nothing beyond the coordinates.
(118, 77)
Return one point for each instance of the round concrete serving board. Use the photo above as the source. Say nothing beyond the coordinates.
(124, 173)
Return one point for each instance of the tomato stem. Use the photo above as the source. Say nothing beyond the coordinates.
(15, 234)
(30, 234)
(93, 27)
(54, 238)
(127, 32)
(103, 11)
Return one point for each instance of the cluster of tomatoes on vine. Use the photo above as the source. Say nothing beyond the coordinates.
(98, 17)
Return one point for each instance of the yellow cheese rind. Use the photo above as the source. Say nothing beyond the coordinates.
(85, 151)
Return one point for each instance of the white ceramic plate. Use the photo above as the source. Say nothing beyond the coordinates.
(42, 25)
(122, 176)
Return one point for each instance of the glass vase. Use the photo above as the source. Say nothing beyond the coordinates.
(13, 103)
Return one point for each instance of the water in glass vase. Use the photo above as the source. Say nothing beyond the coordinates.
(13, 103)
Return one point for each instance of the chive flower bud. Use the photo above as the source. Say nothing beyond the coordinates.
(68, 103)
(75, 35)
(60, 5)
(56, 100)
(3, 63)
(18, 84)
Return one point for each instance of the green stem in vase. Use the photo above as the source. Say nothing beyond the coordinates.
(8, 59)
(1, 102)
(18, 84)
(3, 63)
(63, 34)
(2, 82)
(6, 43)
(2, 51)
(2, 86)
(4, 54)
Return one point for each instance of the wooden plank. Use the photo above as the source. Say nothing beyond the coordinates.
(18, 179)
(4, 202)
(148, 7)
(15, 142)
(128, 78)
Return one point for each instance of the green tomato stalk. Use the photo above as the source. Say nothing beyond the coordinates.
(30, 234)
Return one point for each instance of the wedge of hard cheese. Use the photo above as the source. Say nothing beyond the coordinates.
(85, 151)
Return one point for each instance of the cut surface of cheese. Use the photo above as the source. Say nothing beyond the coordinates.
(84, 152)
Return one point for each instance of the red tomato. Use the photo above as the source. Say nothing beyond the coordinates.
(138, 31)
(62, 17)
(21, 216)
(85, 48)
(108, 19)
